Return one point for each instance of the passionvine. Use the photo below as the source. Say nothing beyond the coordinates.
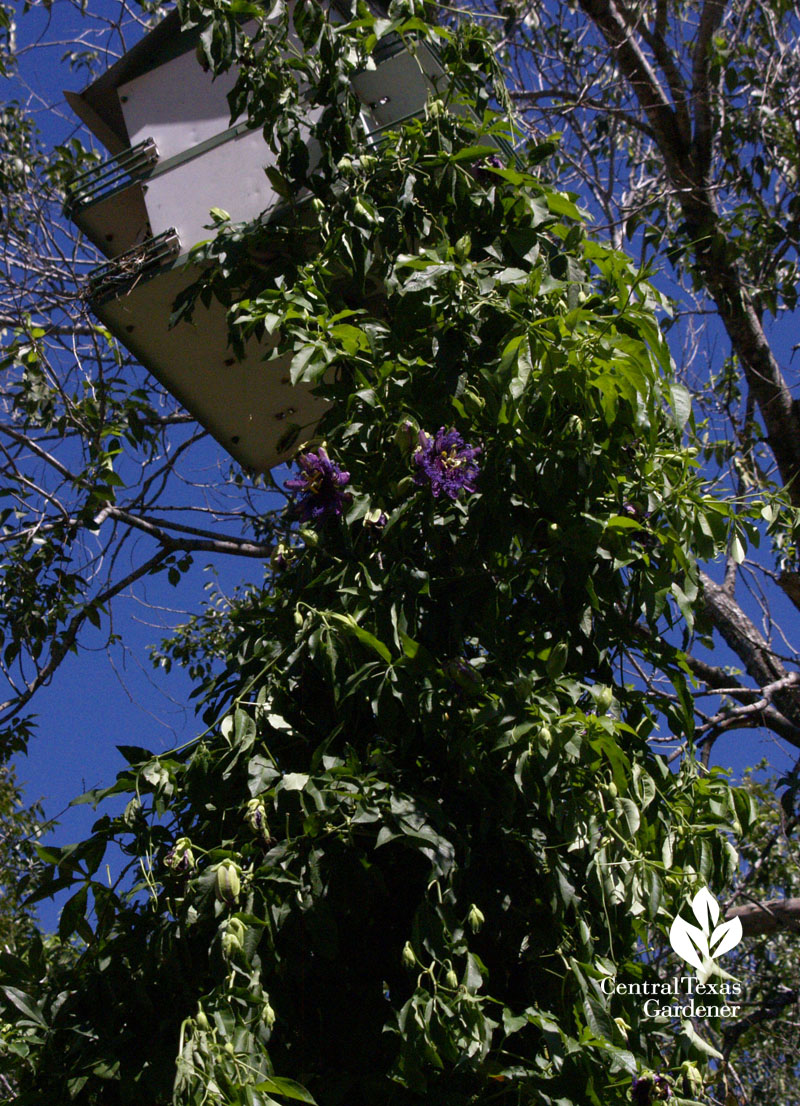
(423, 827)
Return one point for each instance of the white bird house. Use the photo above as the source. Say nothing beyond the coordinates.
(174, 156)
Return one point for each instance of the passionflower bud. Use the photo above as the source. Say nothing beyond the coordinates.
(622, 1026)
(228, 882)
(545, 737)
(692, 1079)
(180, 858)
(282, 557)
(408, 957)
(451, 979)
(407, 436)
(475, 919)
(233, 937)
(255, 816)
(267, 1015)
(201, 1019)
(375, 519)
(604, 697)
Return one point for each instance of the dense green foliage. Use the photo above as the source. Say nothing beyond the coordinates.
(424, 823)
(19, 828)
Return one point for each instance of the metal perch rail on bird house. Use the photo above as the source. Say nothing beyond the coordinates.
(174, 156)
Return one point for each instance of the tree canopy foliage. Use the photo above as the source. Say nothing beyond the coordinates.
(679, 126)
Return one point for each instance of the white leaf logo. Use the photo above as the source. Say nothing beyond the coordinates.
(700, 945)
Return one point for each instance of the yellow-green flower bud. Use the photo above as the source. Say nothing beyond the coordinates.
(228, 882)
(451, 979)
(409, 959)
(255, 816)
(282, 556)
(201, 1019)
(604, 697)
(475, 919)
(623, 1027)
(180, 858)
(692, 1079)
(267, 1015)
(233, 937)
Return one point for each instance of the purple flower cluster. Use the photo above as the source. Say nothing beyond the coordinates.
(320, 485)
(650, 1088)
(446, 463)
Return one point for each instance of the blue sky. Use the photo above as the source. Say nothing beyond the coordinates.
(97, 701)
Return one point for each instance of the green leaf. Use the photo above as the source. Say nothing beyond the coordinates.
(287, 1088)
(364, 636)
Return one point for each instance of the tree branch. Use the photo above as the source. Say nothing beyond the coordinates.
(60, 647)
(773, 1008)
(199, 541)
(749, 644)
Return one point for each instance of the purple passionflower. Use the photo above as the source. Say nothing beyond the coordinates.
(634, 511)
(446, 463)
(650, 1088)
(320, 485)
(479, 169)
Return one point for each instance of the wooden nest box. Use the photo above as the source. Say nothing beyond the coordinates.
(174, 155)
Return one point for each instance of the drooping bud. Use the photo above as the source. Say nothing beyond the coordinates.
(692, 1079)
(255, 816)
(132, 813)
(451, 979)
(201, 1019)
(228, 882)
(475, 919)
(267, 1015)
(282, 557)
(545, 737)
(408, 956)
(375, 518)
(233, 937)
(462, 247)
(623, 1027)
(604, 697)
(180, 858)
(309, 537)
(407, 436)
